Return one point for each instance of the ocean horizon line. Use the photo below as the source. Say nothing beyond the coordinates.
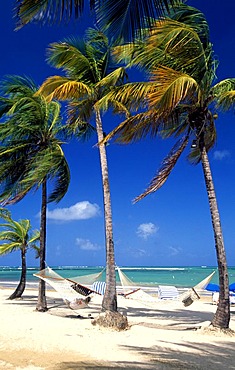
(165, 267)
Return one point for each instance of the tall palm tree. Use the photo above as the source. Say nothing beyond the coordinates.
(181, 101)
(31, 152)
(121, 17)
(17, 235)
(90, 74)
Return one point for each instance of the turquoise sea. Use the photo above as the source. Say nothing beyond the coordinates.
(146, 276)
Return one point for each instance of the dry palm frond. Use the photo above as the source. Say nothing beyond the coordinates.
(132, 95)
(135, 128)
(166, 168)
(113, 78)
(171, 88)
(62, 88)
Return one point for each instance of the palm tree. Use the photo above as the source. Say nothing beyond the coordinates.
(17, 236)
(181, 101)
(31, 152)
(121, 17)
(90, 74)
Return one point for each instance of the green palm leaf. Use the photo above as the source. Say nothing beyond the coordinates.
(16, 234)
(123, 17)
(224, 94)
(48, 11)
(69, 56)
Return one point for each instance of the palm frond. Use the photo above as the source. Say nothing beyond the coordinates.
(114, 78)
(70, 56)
(193, 18)
(171, 88)
(135, 128)
(226, 101)
(224, 94)
(48, 164)
(5, 105)
(79, 112)
(124, 17)
(62, 179)
(47, 11)
(166, 168)
(132, 95)
(8, 247)
(5, 214)
(176, 39)
(17, 86)
(31, 145)
(173, 42)
(62, 88)
(34, 238)
(116, 106)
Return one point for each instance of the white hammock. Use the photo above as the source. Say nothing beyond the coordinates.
(131, 291)
(70, 291)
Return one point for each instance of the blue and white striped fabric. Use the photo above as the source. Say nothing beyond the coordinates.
(168, 292)
(99, 287)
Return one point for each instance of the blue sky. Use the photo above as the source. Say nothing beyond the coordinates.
(169, 228)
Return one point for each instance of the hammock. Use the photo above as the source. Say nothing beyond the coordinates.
(131, 291)
(194, 292)
(70, 291)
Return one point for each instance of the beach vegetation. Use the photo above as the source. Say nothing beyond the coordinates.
(17, 236)
(120, 18)
(31, 153)
(179, 100)
(90, 73)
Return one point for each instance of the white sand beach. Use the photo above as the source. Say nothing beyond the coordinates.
(162, 337)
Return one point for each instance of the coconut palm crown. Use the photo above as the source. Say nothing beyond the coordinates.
(181, 100)
(14, 236)
(31, 152)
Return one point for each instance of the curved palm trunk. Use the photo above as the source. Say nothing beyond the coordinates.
(110, 297)
(222, 315)
(42, 304)
(21, 286)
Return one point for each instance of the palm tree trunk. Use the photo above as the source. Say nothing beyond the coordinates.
(42, 304)
(21, 286)
(110, 297)
(222, 316)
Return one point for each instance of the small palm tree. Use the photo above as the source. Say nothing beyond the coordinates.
(90, 74)
(181, 101)
(31, 152)
(121, 17)
(17, 235)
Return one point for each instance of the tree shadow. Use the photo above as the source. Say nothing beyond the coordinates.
(185, 355)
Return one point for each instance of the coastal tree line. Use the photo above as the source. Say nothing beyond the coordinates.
(180, 99)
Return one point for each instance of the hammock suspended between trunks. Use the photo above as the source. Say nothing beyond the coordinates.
(132, 291)
(70, 290)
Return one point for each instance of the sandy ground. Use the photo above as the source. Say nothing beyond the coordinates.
(161, 336)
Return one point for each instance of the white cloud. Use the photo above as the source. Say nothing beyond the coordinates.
(146, 230)
(221, 154)
(79, 211)
(86, 244)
